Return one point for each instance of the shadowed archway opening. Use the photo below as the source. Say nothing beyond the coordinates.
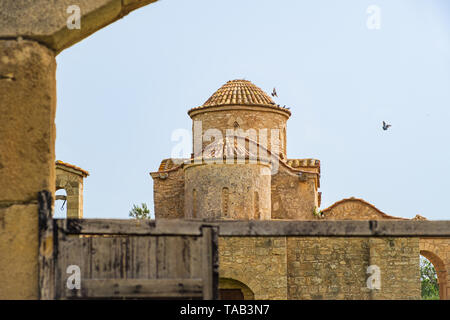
(429, 260)
(230, 289)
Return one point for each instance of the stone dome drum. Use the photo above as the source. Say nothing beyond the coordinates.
(239, 105)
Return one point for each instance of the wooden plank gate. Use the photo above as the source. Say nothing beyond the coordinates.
(125, 259)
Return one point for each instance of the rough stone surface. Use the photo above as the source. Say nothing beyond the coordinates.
(246, 117)
(168, 195)
(257, 262)
(293, 198)
(398, 260)
(27, 166)
(327, 268)
(19, 252)
(321, 267)
(47, 23)
(27, 128)
(227, 191)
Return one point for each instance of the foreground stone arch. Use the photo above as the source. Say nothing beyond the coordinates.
(32, 33)
(46, 22)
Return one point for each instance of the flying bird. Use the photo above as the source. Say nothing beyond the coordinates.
(274, 93)
(386, 126)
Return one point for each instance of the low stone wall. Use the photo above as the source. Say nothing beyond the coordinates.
(320, 267)
(327, 268)
(257, 262)
(399, 263)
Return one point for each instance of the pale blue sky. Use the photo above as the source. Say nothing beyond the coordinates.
(125, 89)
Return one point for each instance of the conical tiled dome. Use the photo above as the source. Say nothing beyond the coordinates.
(241, 92)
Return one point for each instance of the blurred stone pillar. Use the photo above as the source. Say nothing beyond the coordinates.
(27, 143)
(27, 115)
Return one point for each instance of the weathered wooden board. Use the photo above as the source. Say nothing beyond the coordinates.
(128, 259)
(139, 288)
(129, 227)
(46, 246)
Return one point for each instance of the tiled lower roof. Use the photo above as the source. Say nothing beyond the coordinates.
(82, 172)
(228, 150)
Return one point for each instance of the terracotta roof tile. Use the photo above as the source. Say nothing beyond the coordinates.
(240, 92)
(82, 172)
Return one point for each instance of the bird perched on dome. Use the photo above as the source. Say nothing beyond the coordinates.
(274, 93)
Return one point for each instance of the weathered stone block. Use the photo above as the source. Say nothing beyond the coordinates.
(19, 252)
(27, 128)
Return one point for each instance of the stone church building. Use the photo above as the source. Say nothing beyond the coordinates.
(245, 173)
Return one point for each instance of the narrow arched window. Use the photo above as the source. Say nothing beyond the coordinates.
(225, 200)
(257, 215)
(194, 203)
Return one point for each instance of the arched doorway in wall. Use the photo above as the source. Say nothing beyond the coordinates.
(441, 274)
(230, 289)
(60, 210)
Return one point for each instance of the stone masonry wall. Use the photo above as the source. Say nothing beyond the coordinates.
(398, 259)
(292, 198)
(327, 268)
(258, 262)
(248, 118)
(227, 191)
(168, 195)
(322, 267)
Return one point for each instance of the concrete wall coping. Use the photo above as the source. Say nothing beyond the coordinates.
(343, 228)
(281, 228)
